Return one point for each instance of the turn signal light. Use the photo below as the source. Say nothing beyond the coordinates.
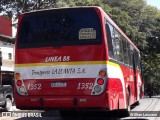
(17, 76)
(102, 73)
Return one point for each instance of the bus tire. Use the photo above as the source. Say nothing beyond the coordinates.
(137, 103)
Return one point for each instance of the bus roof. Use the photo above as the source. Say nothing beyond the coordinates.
(63, 8)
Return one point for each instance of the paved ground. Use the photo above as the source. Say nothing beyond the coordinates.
(149, 109)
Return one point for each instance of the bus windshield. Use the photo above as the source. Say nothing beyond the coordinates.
(59, 26)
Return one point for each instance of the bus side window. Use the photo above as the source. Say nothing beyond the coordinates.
(109, 34)
(130, 56)
(118, 46)
(137, 60)
(125, 51)
(139, 63)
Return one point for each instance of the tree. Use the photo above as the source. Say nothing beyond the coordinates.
(16, 7)
(144, 23)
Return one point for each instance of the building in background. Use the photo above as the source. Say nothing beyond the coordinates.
(7, 35)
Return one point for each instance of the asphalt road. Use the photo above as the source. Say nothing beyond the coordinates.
(149, 109)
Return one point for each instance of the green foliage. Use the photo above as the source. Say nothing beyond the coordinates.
(122, 19)
(144, 22)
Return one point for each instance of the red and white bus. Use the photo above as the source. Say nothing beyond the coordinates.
(75, 58)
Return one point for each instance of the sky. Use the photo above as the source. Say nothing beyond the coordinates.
(154, 3)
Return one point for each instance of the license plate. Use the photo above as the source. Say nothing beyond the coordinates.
(58, 84)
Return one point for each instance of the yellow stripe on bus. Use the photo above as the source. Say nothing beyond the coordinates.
(112, 64)
(67, 63)
(60, 63)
